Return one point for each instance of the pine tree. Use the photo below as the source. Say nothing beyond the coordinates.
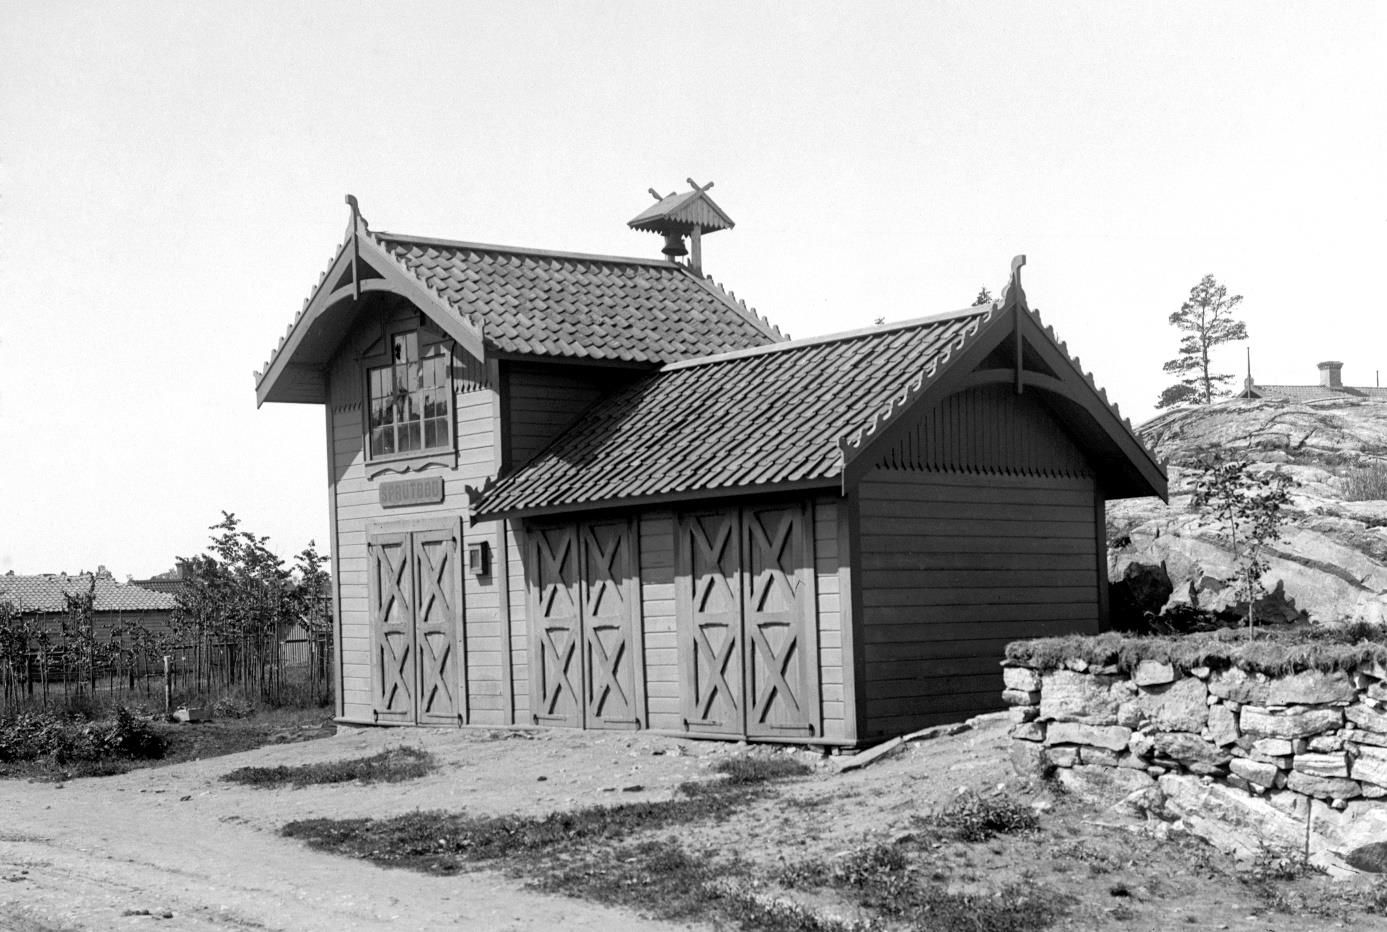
(1207, 321)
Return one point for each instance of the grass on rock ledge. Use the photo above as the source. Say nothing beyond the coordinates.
(1275, 652)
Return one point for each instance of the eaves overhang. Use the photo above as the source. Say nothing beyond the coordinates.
(1125, 466)
(297, 370)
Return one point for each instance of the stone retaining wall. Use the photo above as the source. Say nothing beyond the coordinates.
(1243, 759)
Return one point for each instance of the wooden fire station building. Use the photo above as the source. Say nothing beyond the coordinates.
(596, 492)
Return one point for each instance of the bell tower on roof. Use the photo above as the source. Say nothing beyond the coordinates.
(683, 214)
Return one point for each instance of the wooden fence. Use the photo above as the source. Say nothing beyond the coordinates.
(296, 669)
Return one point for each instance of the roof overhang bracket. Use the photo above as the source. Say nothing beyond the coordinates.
(356, 246)
(1016, 297)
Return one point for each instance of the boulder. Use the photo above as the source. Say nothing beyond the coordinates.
(1130, 715)
(1291, 723)
(1015, 697)
(1240, 686)
(1021, 679)
(1223, 725)
(1228, 818)
(1112, 737)
(1326, 744)
(1321, 765)
(1350, 840)
(1138, 596)
(1106, 784)
(1065, 755)
(1311, 687)
(1140, 744)
(1191, 751)
(1370, 766)
(1028, 759)
(1077, 697)
(1099, 757)
(1254, 771)
(1366, 718)
(1323, 787)
(1153, 673)
(1029, 731)
(1177, 706)
(1273, 747)
(1374, 738)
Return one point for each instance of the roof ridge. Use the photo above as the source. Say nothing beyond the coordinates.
(841, 336)
(522, 250)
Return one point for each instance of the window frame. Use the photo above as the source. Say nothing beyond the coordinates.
(427, 344)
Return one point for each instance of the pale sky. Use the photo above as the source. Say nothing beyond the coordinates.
(172, 175)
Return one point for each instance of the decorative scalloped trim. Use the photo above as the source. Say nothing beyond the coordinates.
(347, 406)
(1101, 392)
(730, 298)
(381, 469)
(913, 389)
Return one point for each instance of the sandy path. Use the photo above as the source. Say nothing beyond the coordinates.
(120, 852)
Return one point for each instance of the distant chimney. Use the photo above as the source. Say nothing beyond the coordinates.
(1330, 374)
(675, 216)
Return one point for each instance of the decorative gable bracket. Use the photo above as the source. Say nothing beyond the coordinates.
(295, 371)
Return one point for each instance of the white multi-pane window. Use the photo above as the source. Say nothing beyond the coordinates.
(409, 398)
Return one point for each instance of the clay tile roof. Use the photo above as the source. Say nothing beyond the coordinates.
(564, 304)
(45, 594)
(1316, 392)
(760, 417)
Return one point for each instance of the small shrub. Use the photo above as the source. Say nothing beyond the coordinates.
(47, 735)
(232, 707)
(1368, 484)
(977, 818)
(389, 766)
(134, 738)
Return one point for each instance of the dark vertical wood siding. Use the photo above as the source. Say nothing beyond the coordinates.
(978, 529)
(991, 430)
(542, 401)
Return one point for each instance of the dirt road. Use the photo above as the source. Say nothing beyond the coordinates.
(176, 848)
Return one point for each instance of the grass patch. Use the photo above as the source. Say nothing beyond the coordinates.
(747, 770)
(630, 855)
(894, 882)
(443, 842)
(1368, 484)
(978, 818)
(1273, 652)
(389, 766)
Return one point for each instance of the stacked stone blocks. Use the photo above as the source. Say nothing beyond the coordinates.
(1321, 734)
(1303, 749)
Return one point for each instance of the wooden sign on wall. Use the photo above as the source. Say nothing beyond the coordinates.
(426, 490)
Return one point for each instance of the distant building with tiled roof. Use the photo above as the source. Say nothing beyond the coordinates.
(1331, 385)
(599, 492)
(114, 603)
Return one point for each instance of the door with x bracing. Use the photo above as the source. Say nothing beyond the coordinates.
(415, 602)
(745, 607)
(585, 644)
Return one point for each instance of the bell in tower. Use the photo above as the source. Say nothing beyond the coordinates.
(683, 213)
